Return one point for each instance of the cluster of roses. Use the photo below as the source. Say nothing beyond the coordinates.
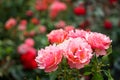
(77, 46)
(23, 26)
(27, 54)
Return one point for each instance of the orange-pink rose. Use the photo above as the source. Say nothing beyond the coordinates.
(77, 51)
(99, 42)
(49, 58)
(57, 36)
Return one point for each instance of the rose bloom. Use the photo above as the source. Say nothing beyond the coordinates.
(10, 23)
(77, 51)
(30, 42)
(57, 36)
(49, 58)
(99, 42)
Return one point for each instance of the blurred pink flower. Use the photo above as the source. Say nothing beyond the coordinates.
(49, 58)
(77, 51)
(60, 24)
(29, 13)
(41, 5)
(10, 23)
(32, 33)
(42, 29)
(30, 42)
(23, 48)
(22, 25)
(56, 7)
(99, 42)
(57, 36)
(69, 28)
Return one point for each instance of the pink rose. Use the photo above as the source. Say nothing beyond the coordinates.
(57, 36)
(49, 58)
(30, 42)
(99, 42)
(77, 51)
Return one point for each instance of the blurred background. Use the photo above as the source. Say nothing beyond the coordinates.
(24, 25)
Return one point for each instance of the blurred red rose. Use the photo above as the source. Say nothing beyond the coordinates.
(80, 10)
(107, 24)
(35, 21)
(28, 59)
(41, 5)
(113, 1)
(29, 13)
(22, 25)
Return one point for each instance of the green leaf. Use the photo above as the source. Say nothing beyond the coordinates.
(97, 76)
(109, 50)
(37, 78)
(87, 73)
(107, 73)
(53, 75)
